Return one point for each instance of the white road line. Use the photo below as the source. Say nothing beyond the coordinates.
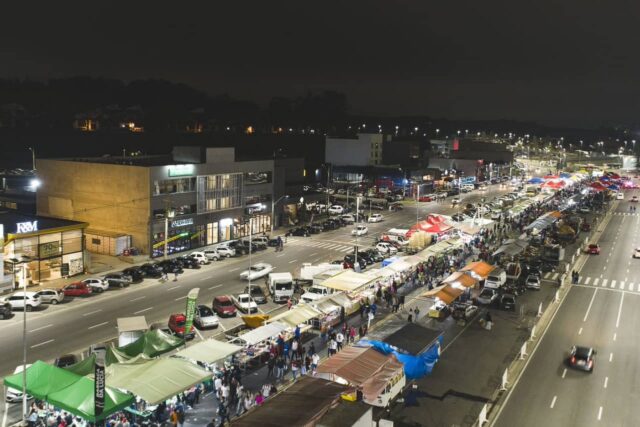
(546, 276)
(615, 336)
(606, 381)
(199, 334)
(587, 280)
(179, 298)
(234, 269)
(580, 331)
(142, 311)
(41, 328)
(612, 284)
(42, 343)
(214, 287)
(206, 278)
(555, 276)
(590, 304)
(292, 261)
(345, 250)
(313, 254)
(172, 288)
(278, 256)
(553, 402)
(92, 312)
(98, 325)
(631, 286)
(604, 282)
(595, 282)
(610, 357)
(620, 310)
(564, 373)
(622, 285)
(600, 414)
(138, 299)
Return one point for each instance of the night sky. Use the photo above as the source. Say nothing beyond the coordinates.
(569, 62)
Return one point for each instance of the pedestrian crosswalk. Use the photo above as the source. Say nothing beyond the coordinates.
(598, 282)
(626, 213)
(332, 246)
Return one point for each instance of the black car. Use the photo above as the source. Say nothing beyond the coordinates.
(453, 192)
(582, 358)
(508, 302)
(5, 310)
(135, 273)
(272, 243)
(188, 262)
(362, 256)
(171, 266)
(257, 294)
(117, 279)
(349, 261)
(298, 231)
(375, 255)
(66, 360)
(253, 247)
(315, 228)
(153, 271)
(330, 225)
(239, 247)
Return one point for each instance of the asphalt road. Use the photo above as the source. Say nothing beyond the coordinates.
(602, 312)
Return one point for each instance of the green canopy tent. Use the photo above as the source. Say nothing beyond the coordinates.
(151, 344)
(42, 379)
(78, 399)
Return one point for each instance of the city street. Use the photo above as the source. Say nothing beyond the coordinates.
(601, 311)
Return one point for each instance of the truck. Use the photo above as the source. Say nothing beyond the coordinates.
(316, 292)
(280, 286)
(396, 235)
(496, 279)
(552, 254)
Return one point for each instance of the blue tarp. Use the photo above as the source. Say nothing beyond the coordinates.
(388, 261)
(535, 180)
(565, 175)
(415, 367)
(613, 187)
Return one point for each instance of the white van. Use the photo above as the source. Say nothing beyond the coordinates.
(280, 286)
(496, 279)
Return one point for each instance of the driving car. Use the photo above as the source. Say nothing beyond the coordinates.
(425, 198)
(257, 271)
(487, 296)
(533, 282)
(360, 230)
(619, 195)
(508, 302)
(336, 210)
(455, 201)
(12, 395)
(245, 303)
(205, 318)
(375, 218)
(257, 294)
(298, 231)
(177, 323)
(77, 289)
(5, 310)
(584, 209)
(585, 226)
(223, 306)
(97, 285)
(582, 358)
(593, 249)
(50, 296)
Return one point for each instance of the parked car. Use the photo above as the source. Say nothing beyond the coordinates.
(223, 249)
(374, 255)
(360, 230)
(315, 228)
(634, 199)
(18, 301)
(223, 306)
(329, 225)
(375, 218)
(135, 272)
(487, 296)
(205, 318)
(533, 282)
(508, 302)
(97, 285)
(201, 257)
(349, 261)
(386, 248)
(464, 311)
(298, 231)
(15, 396)
(238, 247)
(177, 323)
(5, 310)
(636, 253)
(396, 206)
(151, 270)
(50, 296)
(439, 311)
(77, 289)
(257, 271)
(117, 279)
(336, 210)
(244, 303)
(582, 358)
(257, 294)
(368, 260)
(188, 262)
(171, 266)
(65, 360)
(585, 226)
(348, 218)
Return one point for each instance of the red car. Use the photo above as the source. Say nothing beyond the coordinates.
(593, 249)
(585, 226)
(77, 289)
(424, 199)
(177, 324)
(223, 306)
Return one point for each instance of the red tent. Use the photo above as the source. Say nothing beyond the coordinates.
(551, 177)
(554, 184)
(597, 186)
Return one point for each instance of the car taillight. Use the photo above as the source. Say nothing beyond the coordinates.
(573, 360)
(590, 363)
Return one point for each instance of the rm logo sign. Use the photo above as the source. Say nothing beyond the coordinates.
(26, 227)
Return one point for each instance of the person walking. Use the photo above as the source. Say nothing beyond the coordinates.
(271, 364)
(315, 359)
(333, 347)
(223, 413)
(294, 369)
(339, 341)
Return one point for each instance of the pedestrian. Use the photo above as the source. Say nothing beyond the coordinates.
(279, 367)
(294, 369)
(223, 413)
(361, 332)
(175, 279)
(289, 304)
(333, 347)
(294, 349)
(271, 364)
(339, 341)
(312, 349)
(410, 318)
(352, 334)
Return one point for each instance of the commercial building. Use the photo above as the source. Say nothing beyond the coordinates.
(199, 196)
(18, 191)
(37, 249)
(364, 150)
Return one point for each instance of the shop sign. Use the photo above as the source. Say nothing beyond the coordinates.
(181, 170)
(181, 222)
(27, 227)
(256, 208)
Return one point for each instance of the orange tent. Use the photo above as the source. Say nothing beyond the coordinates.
(448, 294)
(480, 268)
(461, 278)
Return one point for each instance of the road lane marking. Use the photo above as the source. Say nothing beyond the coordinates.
(613, 284)
(606, 381)
(622, 285)
(172, 288)
(314, 254)
(553, 402)
(564, 373)
(600, 414)
(214, 287)
(610, 357)
(98, 325)
(41, 328)
(580, 331)
(206, 278)
(620, 310)
(142, 311)
(604, 282)
(139, 298)
(595, 282)
(292, 261)
(586, 315)
(555, 276)
(42, 343)
(278, 256)
(179, 298)
(615, 335)
(631, 285)
(546, 276)
(234, 269)
(92, 312)
(587, 280)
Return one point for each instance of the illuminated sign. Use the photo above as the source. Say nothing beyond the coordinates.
(255, 208)
(181, 170)
(27, 227)
(181, 222)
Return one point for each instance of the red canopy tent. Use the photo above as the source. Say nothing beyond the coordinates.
(551, 177)
(554, 184)
(597, 186)
(433, 224)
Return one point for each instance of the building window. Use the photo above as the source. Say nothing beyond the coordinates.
(258, 178)
(219, 192)
(171, 186)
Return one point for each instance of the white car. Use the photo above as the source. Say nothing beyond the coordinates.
(245, 303)
(18, 301)
(257, 271)
(96, 285)
(619, 195)
(336, 210)
(50, 296)
(201, 257)
(533, 282)
(348, 218)
(386, 248)
(495, 215)
(455, 201)
(375, 218)
(205, 318)
(222, 249)
(360, 230)
(13, 395)
(636, 253)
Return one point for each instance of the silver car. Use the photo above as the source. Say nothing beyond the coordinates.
(51, 296)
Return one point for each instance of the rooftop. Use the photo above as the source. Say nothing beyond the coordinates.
(15, 223)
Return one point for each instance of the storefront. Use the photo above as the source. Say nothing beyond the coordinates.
(39, 249)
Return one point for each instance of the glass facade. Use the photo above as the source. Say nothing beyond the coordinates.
(172, 186)
(259, 223)
(219, 192)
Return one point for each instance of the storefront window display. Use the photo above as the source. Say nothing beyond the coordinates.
(260, 224)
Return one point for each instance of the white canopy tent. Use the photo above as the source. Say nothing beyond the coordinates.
(209, 351)
(260, 334)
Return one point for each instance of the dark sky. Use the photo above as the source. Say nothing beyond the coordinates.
(567, 62)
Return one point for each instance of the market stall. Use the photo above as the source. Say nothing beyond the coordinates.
(256, 343)
(299, 315)
(209, 351)
(332, 308)
(479, 269)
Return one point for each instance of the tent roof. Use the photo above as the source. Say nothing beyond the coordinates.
(350, 280)
(152, 344)
(42, 379)
(512, 248)
(262, 333)
(362, 366)
(461, 279)
(413, 338)
(130, 324)
(439, 248)
(302, 404)
(297, 315)
(480, 268)
(448, 294)
(155, 380)
(209, 351)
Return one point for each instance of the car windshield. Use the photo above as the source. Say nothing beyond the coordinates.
(225, 303)
(315, 291)
(205, 311)
(180, 323)
(257, 268)
(284, 286)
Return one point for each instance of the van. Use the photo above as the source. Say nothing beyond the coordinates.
(496, 279)
(280, 286)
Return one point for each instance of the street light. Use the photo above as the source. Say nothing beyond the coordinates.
(23, 281)
(33, 158)
(273, 207)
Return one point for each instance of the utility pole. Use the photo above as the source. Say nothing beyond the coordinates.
(250, 251)
(33, 158)
(417, 201)
(355, 262)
